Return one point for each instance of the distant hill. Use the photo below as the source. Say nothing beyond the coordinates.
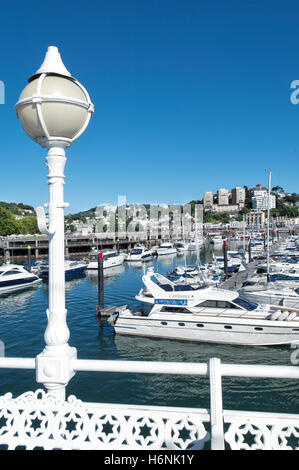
(17, 219)
(17, 209)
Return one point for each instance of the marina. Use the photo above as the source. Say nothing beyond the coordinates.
(98, 344)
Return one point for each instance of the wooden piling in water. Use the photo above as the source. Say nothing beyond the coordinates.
(100, 283)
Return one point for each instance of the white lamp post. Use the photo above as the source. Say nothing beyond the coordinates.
(54, 109)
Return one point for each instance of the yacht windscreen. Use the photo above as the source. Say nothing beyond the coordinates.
(297, 290)
(244, 303)
(159, 279)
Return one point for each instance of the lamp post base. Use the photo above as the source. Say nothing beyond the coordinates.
(54, 368)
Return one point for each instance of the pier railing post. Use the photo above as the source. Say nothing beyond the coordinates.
(217, 433)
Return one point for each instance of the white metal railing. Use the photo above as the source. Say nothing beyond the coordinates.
(72, 424)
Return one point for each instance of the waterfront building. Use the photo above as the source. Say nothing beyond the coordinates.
(255, 219)
(230, 208)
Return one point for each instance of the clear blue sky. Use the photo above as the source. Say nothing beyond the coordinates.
(190, 96)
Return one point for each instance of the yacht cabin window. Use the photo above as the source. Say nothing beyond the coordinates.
(11, 272)
(175, 309)
(217, 304)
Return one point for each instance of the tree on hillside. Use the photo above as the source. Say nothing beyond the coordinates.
(277, 189)
(8, 224)
(248, 198)
(28, 224)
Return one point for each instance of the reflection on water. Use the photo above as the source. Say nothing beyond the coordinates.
(23, 322)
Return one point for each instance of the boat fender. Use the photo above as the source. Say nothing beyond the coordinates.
(283, 316)
(275, 315)
(291, 316)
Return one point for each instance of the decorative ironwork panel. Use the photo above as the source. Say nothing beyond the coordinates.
(261, 431)
(38, 420)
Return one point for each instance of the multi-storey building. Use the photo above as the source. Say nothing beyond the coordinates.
(223, 197)
(260, 203)
(238, 196)
(255, 219)
(208, 199)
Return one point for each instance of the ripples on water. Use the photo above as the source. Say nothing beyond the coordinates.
(23, 322)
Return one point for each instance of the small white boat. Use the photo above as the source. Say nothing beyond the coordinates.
(15, 277)
(181, 247)
(140, 253)
(218, 239)
(71, 268)
(110, 258)
(195, 244)
(281, 271)
(166, 249)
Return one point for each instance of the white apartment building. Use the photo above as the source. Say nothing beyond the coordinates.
(259, 190)
(260, 203)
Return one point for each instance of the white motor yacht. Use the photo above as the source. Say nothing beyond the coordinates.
(205, 314)
(166, 249)
(273, 293)
(281, 271)
(140, 253)
(110, 258)
(15, 277)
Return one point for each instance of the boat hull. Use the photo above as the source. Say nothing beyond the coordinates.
(211, 331)
(106, 264)
(18, 285)
(166, 252)
(139, 259)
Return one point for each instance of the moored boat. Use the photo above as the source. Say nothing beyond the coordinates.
(15, 277)
(204, 314)
(110, 258)
(140, 253)
(71, 268)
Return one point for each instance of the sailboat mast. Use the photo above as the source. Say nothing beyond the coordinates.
(268, 226)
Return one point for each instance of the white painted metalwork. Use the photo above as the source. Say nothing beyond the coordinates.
(41, 420)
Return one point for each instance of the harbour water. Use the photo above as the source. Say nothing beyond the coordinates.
(23, 322)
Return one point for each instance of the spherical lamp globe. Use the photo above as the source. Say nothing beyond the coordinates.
(54, 106)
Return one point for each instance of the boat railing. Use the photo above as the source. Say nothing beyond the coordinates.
(37, 419)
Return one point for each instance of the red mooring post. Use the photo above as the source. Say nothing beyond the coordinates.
(100, 283)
